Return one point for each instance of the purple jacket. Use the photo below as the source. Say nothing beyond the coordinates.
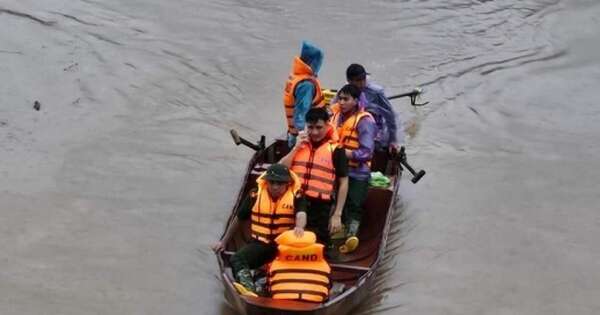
(389, 125)
(366, 135)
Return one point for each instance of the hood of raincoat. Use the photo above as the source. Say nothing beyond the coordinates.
(312, 56)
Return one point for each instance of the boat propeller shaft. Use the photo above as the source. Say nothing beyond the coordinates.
(402, 159)
(239, 140)
(414, 95)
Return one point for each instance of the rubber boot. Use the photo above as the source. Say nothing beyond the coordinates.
(245, 285)
(351, 238)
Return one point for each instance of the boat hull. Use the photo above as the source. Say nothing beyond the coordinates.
(356, 272)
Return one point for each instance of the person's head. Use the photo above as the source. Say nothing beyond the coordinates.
(316, 123)
(357, 75)
(348, 98)
(312, 55)
(278, 178)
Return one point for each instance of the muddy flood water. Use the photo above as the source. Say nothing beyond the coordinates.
(112, 192)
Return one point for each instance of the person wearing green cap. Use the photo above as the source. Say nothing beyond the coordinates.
(275, 206)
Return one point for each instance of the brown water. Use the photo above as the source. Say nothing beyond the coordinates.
(112, 192)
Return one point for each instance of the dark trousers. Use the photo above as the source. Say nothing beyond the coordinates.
(252, 256)
(357, 195)
(318, 219)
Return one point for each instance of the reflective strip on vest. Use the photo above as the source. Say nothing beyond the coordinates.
(299, 270)
(309, 295)
(301, 280)
(301, 283)
(276, 216)
(318, 178)
(314, 166)
(271, 225)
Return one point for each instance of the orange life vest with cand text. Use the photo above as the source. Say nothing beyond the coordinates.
(299, 272)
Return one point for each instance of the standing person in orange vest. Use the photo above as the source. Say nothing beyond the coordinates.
(275, 207)
(356, 131)
(322, 168)
(300, 271)
(302, 89)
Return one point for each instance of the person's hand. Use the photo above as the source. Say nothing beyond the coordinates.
(302, 138)
(348, 153)
(218, 247)
(335, 224)
(298, 231)
(394, 148)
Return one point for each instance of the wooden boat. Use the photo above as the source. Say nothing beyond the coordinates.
(352, 274)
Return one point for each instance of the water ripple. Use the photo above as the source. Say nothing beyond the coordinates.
(27, 16)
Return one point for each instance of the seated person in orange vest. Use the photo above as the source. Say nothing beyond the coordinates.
(356, 131)
(274, 208)
(302, 89)
(299, 272)
(320, 164)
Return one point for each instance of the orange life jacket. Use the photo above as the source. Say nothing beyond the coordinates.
(300, 72)
(270, 218)
(315, 167)
(299, 272)
(347, 132)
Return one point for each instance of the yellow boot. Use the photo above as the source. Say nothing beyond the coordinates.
(245, 286)
(352, 241)
(243, 291)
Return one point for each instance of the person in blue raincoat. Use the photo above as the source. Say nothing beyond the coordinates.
(302, 89)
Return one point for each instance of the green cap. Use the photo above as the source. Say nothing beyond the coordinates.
(278, 173)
